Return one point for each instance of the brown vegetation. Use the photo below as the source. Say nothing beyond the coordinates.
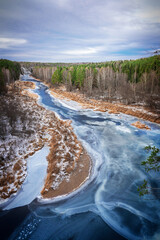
(23, 128)
(140, 125)
(66, 160)
(78, 176)
(104, 106)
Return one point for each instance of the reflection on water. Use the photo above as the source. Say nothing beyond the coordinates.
(109, 206)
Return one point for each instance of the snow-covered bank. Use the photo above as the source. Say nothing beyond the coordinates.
(24, 129)
(33, 184)
(103, 106)
(69, 166)
(66, 102)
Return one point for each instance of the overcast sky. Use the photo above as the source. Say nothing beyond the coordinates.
(78, 30)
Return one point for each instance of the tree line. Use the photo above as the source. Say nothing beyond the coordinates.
(129, 81)
(9, 72)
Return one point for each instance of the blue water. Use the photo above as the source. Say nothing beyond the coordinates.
(108, 207)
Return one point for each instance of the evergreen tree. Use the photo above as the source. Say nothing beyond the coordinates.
(151, 164)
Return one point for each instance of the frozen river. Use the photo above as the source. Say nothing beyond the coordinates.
(108, 206)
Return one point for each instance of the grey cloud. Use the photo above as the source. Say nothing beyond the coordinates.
(66, 27)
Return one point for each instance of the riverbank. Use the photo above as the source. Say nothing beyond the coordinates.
(103, 106)
(23, 131)
(67, 157)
